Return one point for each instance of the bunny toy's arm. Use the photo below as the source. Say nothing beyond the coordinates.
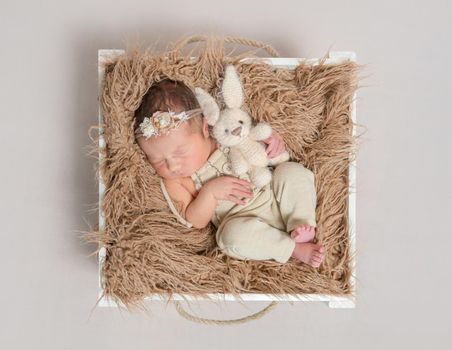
(239, 165)
(260, 132)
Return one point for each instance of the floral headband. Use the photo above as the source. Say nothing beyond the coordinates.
(162, 122)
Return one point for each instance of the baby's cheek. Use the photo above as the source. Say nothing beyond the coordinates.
(197, 160)
(160, 170)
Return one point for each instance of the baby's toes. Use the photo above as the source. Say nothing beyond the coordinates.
(319, 253)
(317, 256)
(315, 263)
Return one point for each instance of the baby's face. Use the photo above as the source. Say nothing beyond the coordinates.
(179, 153)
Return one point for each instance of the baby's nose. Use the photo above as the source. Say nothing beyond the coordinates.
(236, 131)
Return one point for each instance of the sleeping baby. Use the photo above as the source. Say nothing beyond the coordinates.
(274, 222)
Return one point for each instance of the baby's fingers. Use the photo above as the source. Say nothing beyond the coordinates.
(270, 148)
(236, 200)
(241, 193)
(243, 183)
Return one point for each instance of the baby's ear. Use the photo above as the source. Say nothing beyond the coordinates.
(208, 105)
(206, 128)
(232, 88)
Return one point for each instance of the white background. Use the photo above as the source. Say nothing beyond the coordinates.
(48, 97)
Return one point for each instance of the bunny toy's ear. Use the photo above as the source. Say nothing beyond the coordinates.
(232, 88)
(208, 105)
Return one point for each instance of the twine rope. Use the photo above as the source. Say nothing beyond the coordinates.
(248, 318)
(228, 39)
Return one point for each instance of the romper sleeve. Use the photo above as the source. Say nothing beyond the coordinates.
(172, 206)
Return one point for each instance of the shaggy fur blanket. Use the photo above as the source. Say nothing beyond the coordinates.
(148, 250)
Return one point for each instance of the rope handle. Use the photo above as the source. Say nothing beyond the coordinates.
(248, 318)
(178, 46)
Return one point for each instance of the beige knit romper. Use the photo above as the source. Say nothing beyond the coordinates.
(259, 229)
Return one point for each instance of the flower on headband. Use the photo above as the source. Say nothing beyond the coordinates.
(162, 122)
(147, 128)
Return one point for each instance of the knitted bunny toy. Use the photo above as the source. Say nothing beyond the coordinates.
(232, 127)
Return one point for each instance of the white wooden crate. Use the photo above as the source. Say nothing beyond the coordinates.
(333, 301)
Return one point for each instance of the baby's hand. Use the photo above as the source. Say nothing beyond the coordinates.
(275, 145)
(229, 188)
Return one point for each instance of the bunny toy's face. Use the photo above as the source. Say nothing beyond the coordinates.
(232, 127)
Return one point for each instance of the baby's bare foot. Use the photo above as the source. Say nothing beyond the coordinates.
(303, 233)
(309, 253)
